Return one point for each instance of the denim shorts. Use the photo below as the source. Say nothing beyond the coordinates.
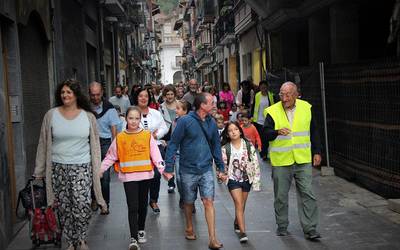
(245, 185)
(191, 183)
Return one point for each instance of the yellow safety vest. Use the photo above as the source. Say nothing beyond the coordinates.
(295, 147)
(257, 100)
(133, 152)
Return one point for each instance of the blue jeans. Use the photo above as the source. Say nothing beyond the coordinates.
(191, 183)
(105, 181)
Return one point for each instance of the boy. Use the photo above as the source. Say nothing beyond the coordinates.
(249, 130)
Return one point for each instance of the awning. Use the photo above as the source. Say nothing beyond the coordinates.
(178, 24)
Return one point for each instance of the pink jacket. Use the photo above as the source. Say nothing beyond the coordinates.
(228, 97)
(112, 157)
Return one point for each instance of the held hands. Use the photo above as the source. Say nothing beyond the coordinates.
(284, 131)
(168, 176)
(222, 176)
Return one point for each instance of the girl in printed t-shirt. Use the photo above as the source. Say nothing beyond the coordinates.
(134, 151)
(243, 171)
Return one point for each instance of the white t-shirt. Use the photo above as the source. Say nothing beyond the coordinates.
(264, 103)
(237, 158)
(70, 139)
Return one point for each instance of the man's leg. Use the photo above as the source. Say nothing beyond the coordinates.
(189, 193)
(306, 201)
(207, 193)
(282, 177)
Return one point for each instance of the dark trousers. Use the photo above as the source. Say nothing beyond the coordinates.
(136, 193)
(155, 182)
(264, 142)
(105, 181)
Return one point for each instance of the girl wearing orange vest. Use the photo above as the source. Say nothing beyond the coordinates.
(134, 153)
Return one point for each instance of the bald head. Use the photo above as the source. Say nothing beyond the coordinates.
(95, 92)
(289, 86)
(288, 94)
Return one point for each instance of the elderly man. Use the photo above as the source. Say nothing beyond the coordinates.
(291, 130)
(196, 136)
(107, 122)
(189, 96)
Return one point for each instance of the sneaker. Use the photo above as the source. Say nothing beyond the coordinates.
(282, 231)
(133, 245)
(312, 235)
(155, 207)
(236, 228)
(142, 236)
(243, 237)
(171, 190)
(83, 245)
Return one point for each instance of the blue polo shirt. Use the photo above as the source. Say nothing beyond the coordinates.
(104, 123)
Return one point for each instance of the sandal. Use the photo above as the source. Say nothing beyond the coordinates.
(216, 247)
(190, 235)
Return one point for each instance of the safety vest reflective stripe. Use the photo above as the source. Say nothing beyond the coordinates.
(135, 163)
(294, 134)
(287, 149)
(301, 133)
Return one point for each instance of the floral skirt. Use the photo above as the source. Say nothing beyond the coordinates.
(72, 184)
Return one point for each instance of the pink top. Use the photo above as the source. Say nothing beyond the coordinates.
(227, 96)
(112, 157)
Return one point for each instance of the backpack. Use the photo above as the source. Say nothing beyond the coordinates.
(228, 150)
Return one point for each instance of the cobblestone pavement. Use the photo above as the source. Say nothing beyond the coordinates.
(350, 218)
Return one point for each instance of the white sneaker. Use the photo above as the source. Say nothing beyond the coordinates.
(134, 245)
(142, 236)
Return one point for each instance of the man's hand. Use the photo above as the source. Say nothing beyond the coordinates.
(222, 176)
(283, 131)
(168, 176)
(317, 160)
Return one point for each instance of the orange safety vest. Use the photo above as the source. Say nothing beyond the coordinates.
(133, 152)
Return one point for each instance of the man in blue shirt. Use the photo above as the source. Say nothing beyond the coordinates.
(107, 122)
(196, 136)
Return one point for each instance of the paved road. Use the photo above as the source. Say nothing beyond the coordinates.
(350, 218)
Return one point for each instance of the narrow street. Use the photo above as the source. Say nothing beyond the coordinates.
(350, 218)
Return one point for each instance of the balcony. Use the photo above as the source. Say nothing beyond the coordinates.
(225, 30)
(203, 58)
(115, 7)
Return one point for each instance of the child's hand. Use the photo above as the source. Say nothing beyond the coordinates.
(101, 174)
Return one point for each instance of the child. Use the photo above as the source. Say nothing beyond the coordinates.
(233, 113)
(223, 110)
(181, 110)
(243, 172)
(249, 130)
(134, 150)
(219, 119)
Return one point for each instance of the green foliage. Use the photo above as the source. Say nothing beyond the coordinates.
(167, 5)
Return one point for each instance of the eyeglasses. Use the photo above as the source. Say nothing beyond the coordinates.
(285, 94)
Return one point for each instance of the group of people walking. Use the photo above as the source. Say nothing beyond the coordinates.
(191, 139)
